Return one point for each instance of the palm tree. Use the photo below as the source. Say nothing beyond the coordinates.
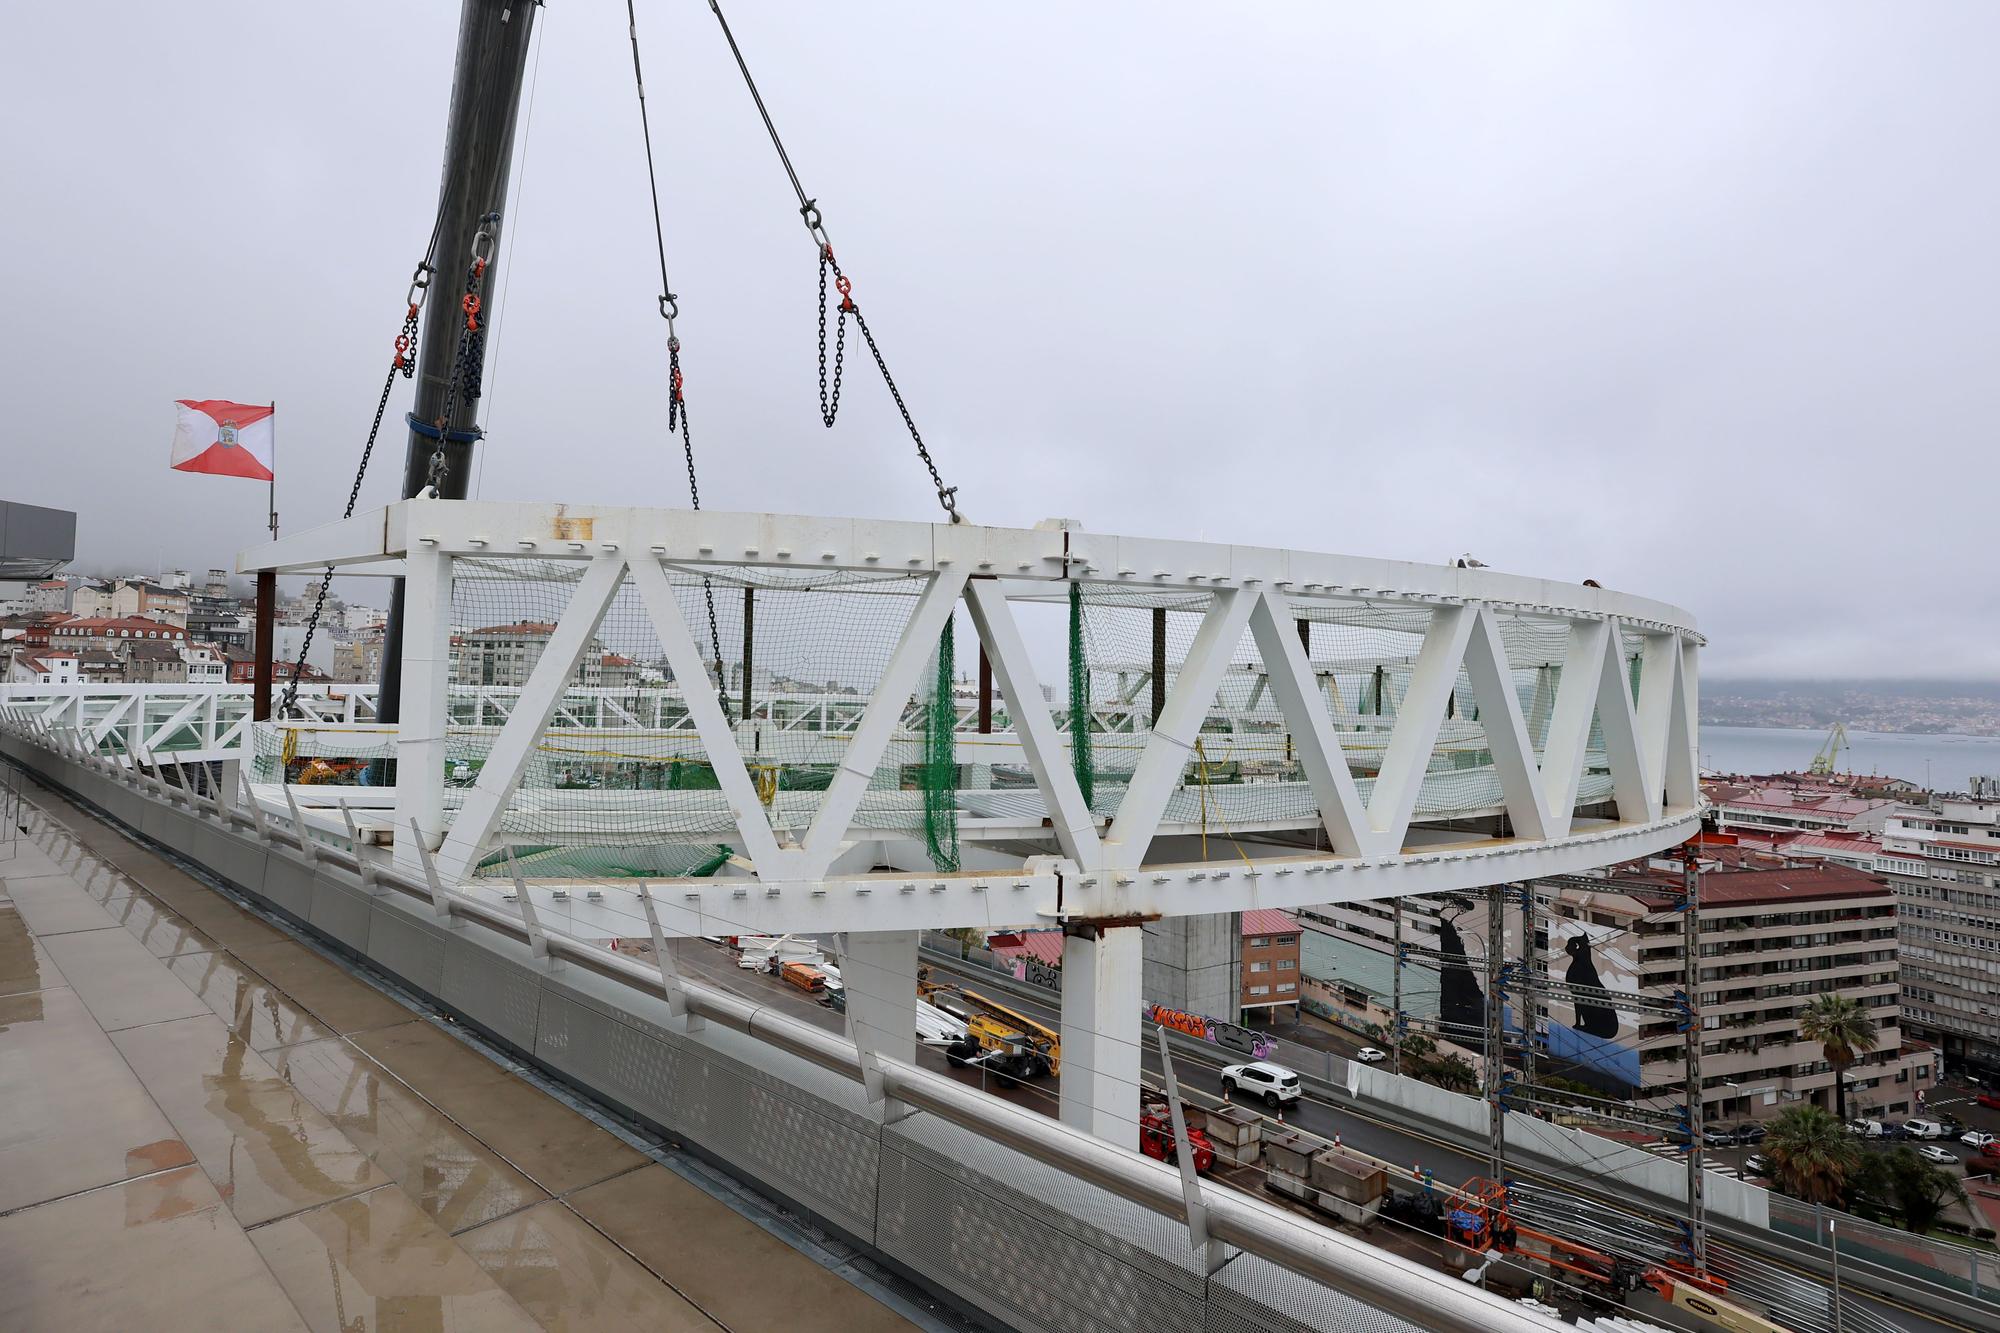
(1812, 1153)
(1844, 1030)
(1922, 1191)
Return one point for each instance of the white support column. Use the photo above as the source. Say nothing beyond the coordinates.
(1101, 998)
(1048, 758)
(540, 699)
(879, 971)
(426, 681)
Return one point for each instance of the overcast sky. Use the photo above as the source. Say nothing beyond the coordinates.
(1697, 300)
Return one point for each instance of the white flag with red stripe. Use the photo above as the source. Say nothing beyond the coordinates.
(223, 438)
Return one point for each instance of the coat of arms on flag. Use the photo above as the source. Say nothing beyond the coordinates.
(223, 438)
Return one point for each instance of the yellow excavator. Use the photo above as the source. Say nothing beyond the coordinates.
(1005, 1040)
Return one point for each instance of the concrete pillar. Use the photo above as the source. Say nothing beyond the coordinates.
(426, 680)
(879, 971)
(1099, 1081)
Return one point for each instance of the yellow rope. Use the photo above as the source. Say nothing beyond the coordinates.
(1201, 764)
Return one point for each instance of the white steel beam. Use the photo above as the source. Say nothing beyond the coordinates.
(1623, 751)
(1569, 722)
(1304, 707)
(1659, 665)
(1418, 721)
(1048, 758)
(885, 710)
(717, 737)
(1683, 771)
(1167, 750)
(480, 815)
(1506, 730)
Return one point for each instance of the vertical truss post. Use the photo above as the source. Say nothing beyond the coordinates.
(1496, 1034)
(1396, 1021)
(1691, 984)
(1211, 1251)
(878, 971)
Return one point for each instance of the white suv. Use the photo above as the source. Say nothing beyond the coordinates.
(1260, 1078)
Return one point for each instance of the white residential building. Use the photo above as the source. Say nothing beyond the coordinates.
(1945, 866)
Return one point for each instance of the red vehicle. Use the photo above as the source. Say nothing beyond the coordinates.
(1991, 1099)
(1156, 1139)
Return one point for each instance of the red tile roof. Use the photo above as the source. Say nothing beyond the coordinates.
(519, 629)
(1044, 946)
(1269, 921)
(1729, 886)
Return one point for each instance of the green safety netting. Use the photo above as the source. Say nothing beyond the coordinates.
(940, 770)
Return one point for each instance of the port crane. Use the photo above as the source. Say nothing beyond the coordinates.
(1827, 762)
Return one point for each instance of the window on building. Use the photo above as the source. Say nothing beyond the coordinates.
(1260, 967)
(1287, 987)
(1260, 990)
(1287, 964)
(1260, 941)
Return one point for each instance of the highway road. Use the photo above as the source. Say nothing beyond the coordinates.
(1400, 1144)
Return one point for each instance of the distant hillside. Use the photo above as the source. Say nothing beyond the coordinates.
(1921, 706)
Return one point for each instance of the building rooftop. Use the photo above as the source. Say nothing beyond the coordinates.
(1269, 921)
(519, 629)
(1797, 800)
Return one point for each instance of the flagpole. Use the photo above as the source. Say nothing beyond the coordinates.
(274, 469)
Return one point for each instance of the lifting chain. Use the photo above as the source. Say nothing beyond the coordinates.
(829, 387)
(829, 406)
(403, 363)
(670, 309)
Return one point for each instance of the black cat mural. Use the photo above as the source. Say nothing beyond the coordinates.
(1461, 1004)
(1596, 1020)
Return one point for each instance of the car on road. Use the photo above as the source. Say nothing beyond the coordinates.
(1750, 1133)
(1759, 1164)
(1990, 1100)
(1930, 1152)
(1260, 1078)
(1368, 1055)
(1916, 1128)
(1977, 1138)
(1867, 1129)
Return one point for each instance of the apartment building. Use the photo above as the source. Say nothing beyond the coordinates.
(1775, 933)
(1797, 808)
(1270, 962)
(505, 655)
(1944, 864)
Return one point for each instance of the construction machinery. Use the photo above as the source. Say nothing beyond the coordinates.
(1480, 1218)
(1156, 1139)
(1004, 1040)
(1827, 762)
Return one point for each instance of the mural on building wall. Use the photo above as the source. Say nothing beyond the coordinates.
(1601, 1042)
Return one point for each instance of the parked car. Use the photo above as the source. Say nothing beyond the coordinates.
(1916, 1128)
(1953, 1127)
(1990, 1100)
(1977, 1139)
(1260, 1078)
(1867, 1129)
(1368, 1055)
(1930, 1152)
(1759, 1164)
(1750, 1132)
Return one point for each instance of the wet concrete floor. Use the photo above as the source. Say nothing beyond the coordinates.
(207, 1124)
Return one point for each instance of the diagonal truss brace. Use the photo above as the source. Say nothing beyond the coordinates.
(670, 977)
(1213, 1253)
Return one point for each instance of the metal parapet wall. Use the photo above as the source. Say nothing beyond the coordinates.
(997, 1233)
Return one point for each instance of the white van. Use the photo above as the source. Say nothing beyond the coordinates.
(1922, 1129)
